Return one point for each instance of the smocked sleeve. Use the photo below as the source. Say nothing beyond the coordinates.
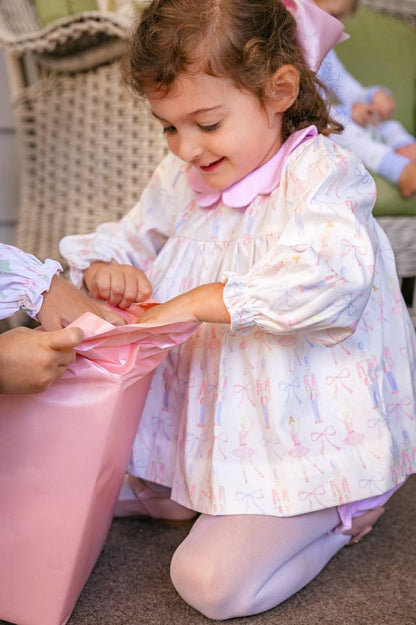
(318, 277)
(138, 237)
(23, 280)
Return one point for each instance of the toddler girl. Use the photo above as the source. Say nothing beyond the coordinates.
(291, 411)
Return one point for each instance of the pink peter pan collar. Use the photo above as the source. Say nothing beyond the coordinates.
(261, 181)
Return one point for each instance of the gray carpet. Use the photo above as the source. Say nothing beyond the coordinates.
(372, 583)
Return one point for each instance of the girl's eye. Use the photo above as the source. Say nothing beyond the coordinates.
(210, 127)
(169, 130)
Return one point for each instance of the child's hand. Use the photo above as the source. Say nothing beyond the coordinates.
(64, 303)
(204, 303)
(175, 310)
(384, 104)
(364, 114)
(30, 360)
(119, 285)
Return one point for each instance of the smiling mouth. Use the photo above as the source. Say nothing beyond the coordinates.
(211, 166)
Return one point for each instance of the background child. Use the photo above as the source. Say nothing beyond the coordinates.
(289, 412)
(30, 361)
(382, 143)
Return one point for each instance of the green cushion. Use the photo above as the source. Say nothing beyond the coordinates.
(51, 10)
(389, 202)
(382, 51)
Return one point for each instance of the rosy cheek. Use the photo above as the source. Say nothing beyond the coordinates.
(172, 143)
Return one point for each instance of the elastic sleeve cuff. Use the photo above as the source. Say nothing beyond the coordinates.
(33, 298)
(236, 301)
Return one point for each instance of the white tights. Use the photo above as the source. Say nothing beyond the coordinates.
(230, 566)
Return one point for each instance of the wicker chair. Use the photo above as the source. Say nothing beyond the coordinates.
(87, 147)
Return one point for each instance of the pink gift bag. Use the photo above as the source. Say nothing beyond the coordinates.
(63, 454)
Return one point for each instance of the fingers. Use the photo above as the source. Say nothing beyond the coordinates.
(384, 104)
(127, 285)
(30, 360)
(368, 116)
(119, 285)
(109, 315)
(123, 289)
(385, 113)
(61, 343)
(371, 117)
(64, 340)
(364, 114)
(96, 280)
(137, 289)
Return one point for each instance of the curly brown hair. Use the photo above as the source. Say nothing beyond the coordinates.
(245, 41)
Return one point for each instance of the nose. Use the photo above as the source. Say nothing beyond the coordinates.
(186, 145)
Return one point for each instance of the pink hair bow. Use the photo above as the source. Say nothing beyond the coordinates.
(317, 31)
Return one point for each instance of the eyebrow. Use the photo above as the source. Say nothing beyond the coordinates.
(198, 112)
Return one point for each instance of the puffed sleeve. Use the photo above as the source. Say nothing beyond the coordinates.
(318, 277)
(139, 236)
(23, 280)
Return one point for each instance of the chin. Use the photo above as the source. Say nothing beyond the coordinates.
(219, 183)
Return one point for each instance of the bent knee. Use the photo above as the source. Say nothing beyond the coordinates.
(203, 586)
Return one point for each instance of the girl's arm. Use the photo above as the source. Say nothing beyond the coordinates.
(204, 303)
(317, 279)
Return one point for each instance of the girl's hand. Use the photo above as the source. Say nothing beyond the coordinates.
(204, 303)
(30, 360)
(119, 285)
(364, 114)
(64, 303)
(384, 104)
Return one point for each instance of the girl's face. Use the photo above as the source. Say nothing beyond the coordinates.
(222, 131)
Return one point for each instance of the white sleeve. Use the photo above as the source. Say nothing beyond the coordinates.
(318, 277)
(139, 236)
(23, 280)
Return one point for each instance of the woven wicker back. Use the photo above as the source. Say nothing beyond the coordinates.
(87, 150)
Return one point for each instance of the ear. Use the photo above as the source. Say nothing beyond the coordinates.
(283, 88)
